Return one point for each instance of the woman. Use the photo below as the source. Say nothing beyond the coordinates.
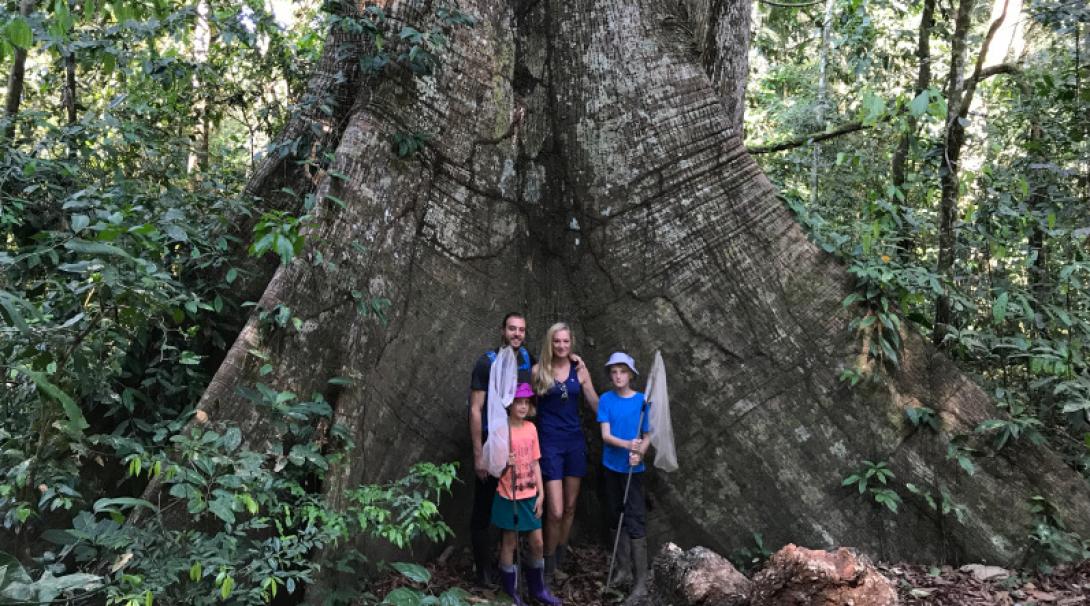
(560, 378)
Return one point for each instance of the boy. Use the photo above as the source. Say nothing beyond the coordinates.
(625, 431)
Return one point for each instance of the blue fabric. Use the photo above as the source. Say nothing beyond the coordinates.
(622, 414)
(478, 380)
(558, 422)
(564, 460)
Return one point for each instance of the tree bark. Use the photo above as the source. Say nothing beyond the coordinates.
(69, 94)
(822, 96)
(15, 79)
(960, 92)
(923, 82)
(954, 138)
(202, 42)
(583, 166)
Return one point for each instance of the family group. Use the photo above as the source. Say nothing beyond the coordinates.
(548, 459)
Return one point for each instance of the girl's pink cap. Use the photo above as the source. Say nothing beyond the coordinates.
(524, 391)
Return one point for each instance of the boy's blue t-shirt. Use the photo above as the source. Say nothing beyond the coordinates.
(622, 414)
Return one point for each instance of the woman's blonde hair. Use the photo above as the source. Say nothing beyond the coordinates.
(543, 378)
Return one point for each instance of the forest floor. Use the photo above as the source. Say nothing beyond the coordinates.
(917, 585)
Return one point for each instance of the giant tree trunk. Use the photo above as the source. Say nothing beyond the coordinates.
(583, 167)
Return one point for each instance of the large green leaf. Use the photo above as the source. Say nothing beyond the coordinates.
(11, 305)
(413, 572)
(403, 596)
(999, 309)
(76, 421)
(919, 105)
(19, 33)
(95, 248)
(116, 504)
(11, 572)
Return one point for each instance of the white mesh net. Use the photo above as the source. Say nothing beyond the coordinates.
(502, 381)
(658, 405)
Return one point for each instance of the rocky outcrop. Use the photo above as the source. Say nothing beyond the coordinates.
(796, 576)
(793, 576)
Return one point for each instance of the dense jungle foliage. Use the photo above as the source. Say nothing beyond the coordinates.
(955, 189)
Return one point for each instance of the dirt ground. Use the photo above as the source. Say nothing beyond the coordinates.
(917, 585)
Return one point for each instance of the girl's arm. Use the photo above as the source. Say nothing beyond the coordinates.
(589, 394)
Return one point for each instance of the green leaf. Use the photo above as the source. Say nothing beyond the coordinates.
(874, 107)
(919, 105)
(403, 596)
(76, 422)
(999, 309)
(116, 504)
(49, 587)
(455, 596)
(227, 587)
(11, 571)
(79, 222)
(19, 33)
(11, 304)
(413, 572)
(78, 245)
(222, 509)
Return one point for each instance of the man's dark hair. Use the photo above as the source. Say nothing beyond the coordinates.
(511, 314)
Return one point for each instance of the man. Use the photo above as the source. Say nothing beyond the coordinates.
(513, 334)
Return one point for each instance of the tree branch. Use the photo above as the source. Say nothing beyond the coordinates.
(969, 89)
(807, 139)
(791, 4)
(995, 70)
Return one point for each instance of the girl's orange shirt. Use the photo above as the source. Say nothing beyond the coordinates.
(527, 450)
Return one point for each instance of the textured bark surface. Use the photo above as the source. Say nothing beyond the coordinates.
(583, 166)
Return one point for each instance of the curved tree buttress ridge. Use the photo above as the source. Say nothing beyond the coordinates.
(586, 163)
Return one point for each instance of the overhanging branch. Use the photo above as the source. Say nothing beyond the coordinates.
(799, 141)
(851, 127)
(791, 4)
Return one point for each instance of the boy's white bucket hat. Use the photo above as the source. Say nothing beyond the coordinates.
(620, 357)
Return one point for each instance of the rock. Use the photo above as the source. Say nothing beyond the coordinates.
(698, 577)
(795, 576)
(982, 572)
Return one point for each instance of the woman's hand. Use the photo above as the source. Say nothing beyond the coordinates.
(582, 372)
(511, 459)
(539, 506)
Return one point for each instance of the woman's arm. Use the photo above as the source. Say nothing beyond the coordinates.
(589, 395)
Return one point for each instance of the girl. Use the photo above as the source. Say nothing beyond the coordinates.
(560, 378)
(518, 504)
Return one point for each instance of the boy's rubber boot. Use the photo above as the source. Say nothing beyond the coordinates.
(535, 582)
(510, 586)
(639, 562)
(622, 566)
